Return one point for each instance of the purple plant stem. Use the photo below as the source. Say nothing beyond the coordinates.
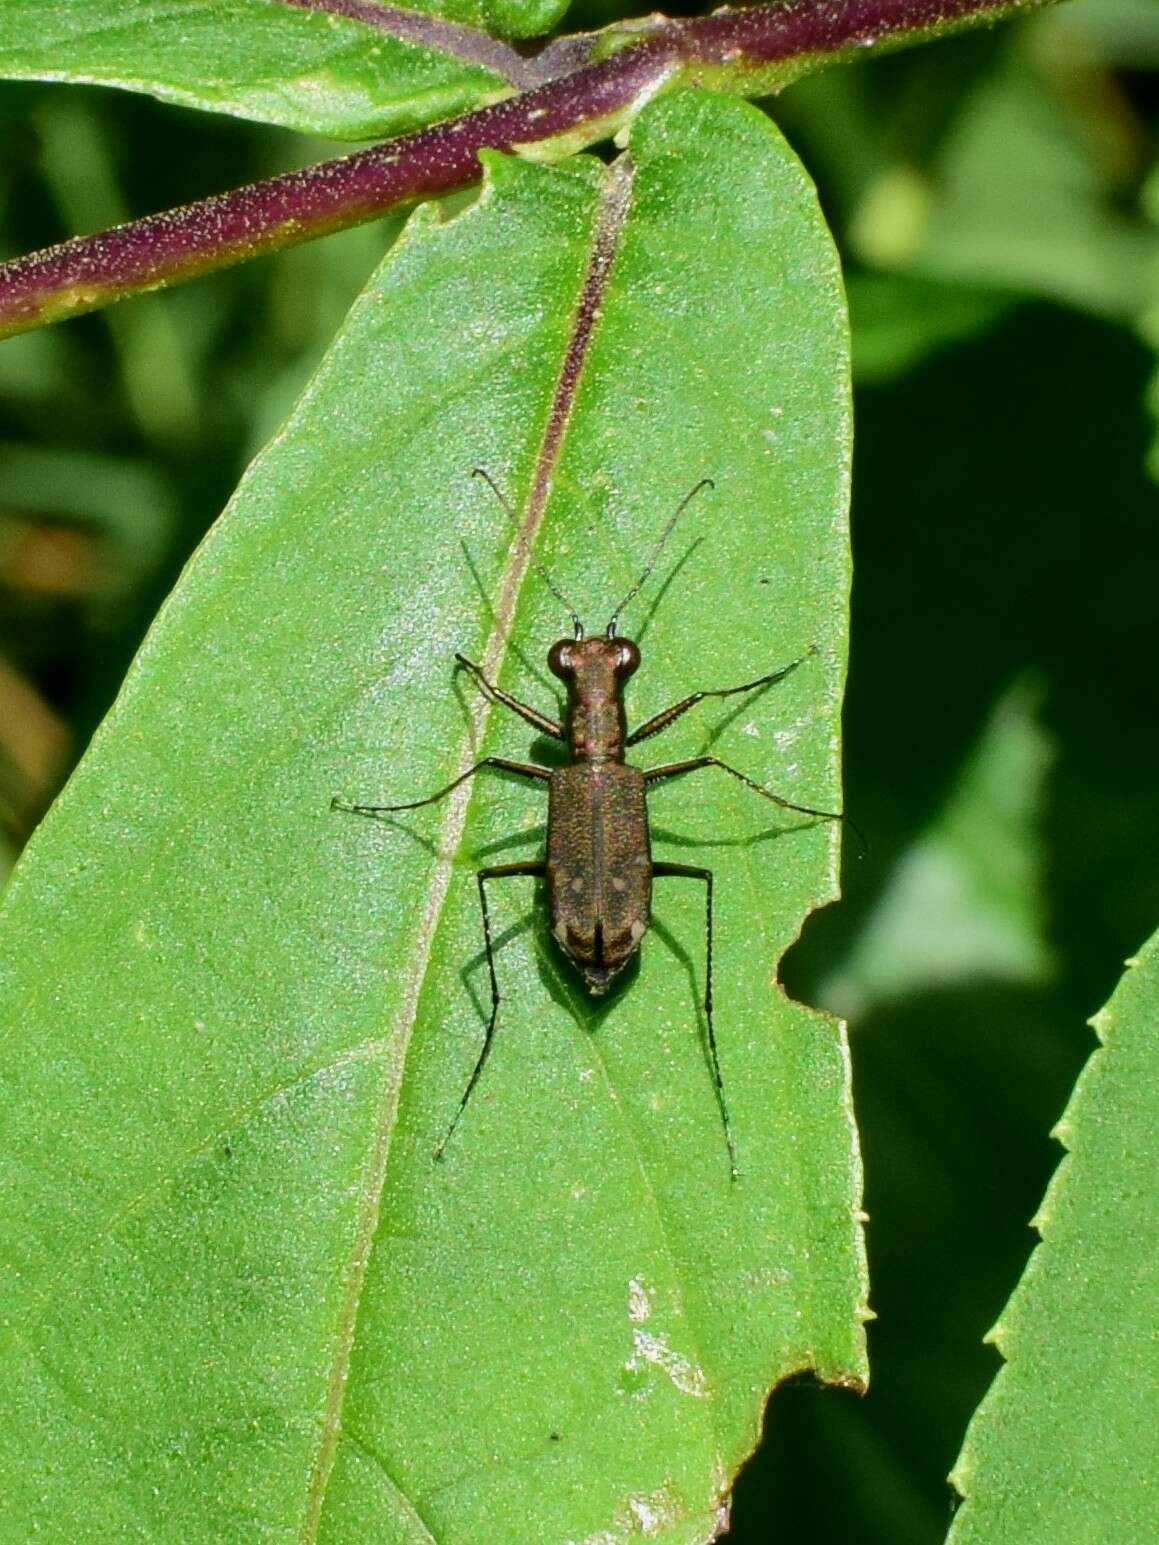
(728, 48)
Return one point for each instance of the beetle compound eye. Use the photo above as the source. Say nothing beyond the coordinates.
(559, 658)
(628, 659)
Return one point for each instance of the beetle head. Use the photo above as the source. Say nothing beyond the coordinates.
(568, 656)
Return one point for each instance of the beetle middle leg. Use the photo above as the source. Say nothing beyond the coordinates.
(694, 764)
(501, 763)
(695, 872)
(536, 868)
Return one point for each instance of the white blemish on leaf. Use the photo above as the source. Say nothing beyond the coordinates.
(687, 1376)
(647, 1514)
(639, 1301)
(651, 1513)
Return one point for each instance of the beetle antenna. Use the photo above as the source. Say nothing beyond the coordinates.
(523, 546)
(705, 482)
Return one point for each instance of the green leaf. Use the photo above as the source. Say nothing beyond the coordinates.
(275, 62)
(966, 898)
(1063, 1448)
(242, 1298)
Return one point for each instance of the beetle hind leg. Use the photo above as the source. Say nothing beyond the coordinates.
(695, 872)
(496, 872)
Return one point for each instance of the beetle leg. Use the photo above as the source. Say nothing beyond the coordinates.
(667, 716)
(695, 872)
(495, 694)
(524, 770)
(678, 769)
(496, 872)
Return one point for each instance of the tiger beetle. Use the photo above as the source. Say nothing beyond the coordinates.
(599, 866)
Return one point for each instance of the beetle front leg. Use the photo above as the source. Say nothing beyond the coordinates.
(667, 716)
(495, 694)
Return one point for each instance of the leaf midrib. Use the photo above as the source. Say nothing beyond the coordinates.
(612, 204)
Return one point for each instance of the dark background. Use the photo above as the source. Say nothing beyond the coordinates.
(996, 198)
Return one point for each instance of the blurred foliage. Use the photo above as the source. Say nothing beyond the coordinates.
(122, 436)
(997, 202)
